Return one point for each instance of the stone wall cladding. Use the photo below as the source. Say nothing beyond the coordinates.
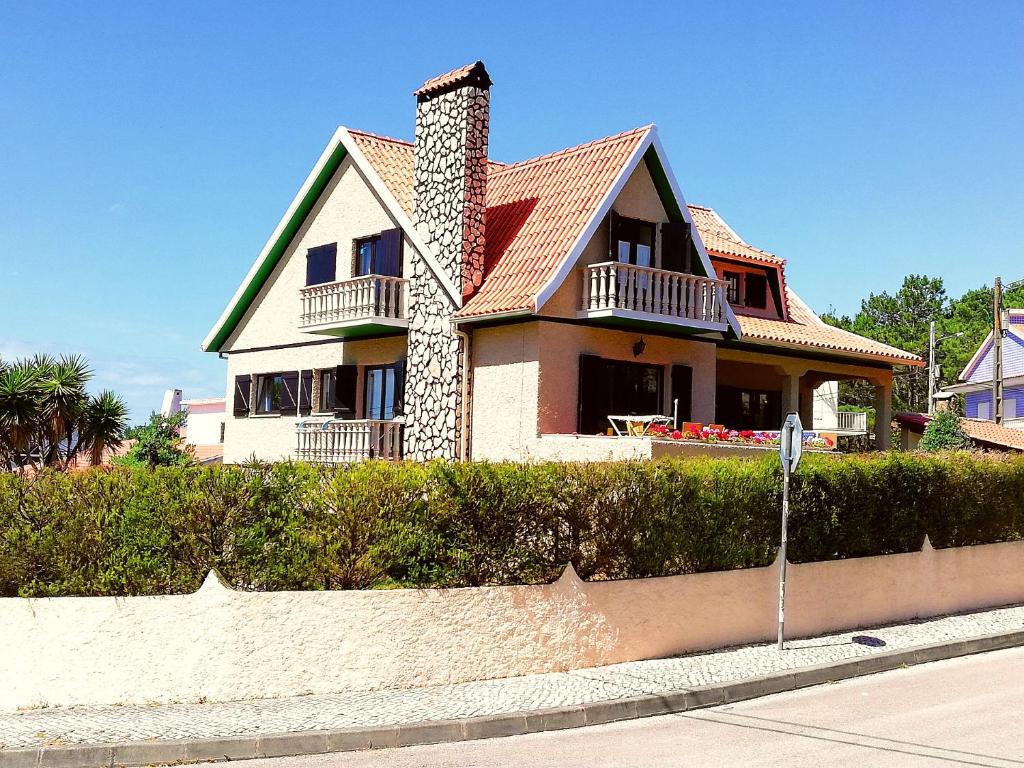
(450, 181)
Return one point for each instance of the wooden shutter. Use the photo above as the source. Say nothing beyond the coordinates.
(345, 377)
(682, 390)
(389, 253)
(613, 236)
(243, 385)
(289, 393)
(321, 264)
(675, 246)
(400, 388)
(305, 393)
(756, 291)
(592, 396)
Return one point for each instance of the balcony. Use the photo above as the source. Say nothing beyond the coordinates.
(851, 422)
(339, 441)
(370, 304)
(625, 294)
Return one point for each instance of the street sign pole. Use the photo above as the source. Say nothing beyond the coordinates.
(790, 448)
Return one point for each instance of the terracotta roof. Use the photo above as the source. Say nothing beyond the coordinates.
(206, 454)
(719, 238)
(537, 208)
(806, 329)
(474, 74)
(987, 433)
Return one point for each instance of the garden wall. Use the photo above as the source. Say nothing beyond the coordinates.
(222, 644)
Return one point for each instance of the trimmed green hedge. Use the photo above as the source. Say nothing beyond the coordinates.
(295, 526)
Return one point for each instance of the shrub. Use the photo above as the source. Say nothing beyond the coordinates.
(945, 433)
(130, 531)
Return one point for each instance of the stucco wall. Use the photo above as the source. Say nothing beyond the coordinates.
(223, 645)
(272, 437)
(203, 423)
(348, 209)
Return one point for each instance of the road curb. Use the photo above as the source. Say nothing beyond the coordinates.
(511, 724)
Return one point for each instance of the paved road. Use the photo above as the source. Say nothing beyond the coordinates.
(967, 711)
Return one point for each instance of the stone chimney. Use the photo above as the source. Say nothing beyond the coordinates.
(450, 180)
(449, 197)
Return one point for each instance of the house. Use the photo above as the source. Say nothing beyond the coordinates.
(204, 428)
(424, 300)
(975, 380)
(985, 434)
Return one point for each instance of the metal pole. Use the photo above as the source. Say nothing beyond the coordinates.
(931, 368)
(997, 356)
(782, 549)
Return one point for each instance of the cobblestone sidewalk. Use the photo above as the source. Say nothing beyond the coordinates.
(108, 725)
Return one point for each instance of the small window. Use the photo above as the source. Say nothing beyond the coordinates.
(985, 410)
(379, 255)
(634, 241)
(756, 291)
(328, 382)
(732, 280)
(365, 251)
(380, 392)
(269, 392)
(1009, 409)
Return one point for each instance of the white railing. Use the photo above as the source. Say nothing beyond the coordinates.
(613, 285)
(340, 441)
(852, 421)
(367, 297)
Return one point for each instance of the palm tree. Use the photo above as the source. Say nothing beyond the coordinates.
(47, 417)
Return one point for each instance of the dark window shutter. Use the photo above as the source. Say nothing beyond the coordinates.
(682, 390)
(321, 263)
(613, 236)
(345, 391)
(289, 392)
(389, 253)
(592, 396)
(305, 393)
(675, 246)
(400, 388)
(242, 386)
(756, 294)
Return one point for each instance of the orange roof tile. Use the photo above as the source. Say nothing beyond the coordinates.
(537, 208)
(474, 73)
(987, 433)
(806, 329)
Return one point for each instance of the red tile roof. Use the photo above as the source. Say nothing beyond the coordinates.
(987, 433)
(536, 209)
(474, 73)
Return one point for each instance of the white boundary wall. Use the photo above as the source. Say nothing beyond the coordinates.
(220, 644)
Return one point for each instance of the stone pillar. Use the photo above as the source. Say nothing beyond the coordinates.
(883, 416)
(450, 187)
(790, 394)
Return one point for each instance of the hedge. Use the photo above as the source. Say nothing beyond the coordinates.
(296, 526)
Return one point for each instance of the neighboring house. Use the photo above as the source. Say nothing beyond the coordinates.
(421, 300)
(204, 428)
(975, 383)
(985, 434)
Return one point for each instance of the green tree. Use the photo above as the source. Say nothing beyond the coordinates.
(158, 443)
(945, 433)
(47, 417)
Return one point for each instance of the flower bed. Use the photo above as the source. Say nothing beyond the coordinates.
(741, 437)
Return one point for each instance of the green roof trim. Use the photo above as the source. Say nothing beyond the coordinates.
(293, 225)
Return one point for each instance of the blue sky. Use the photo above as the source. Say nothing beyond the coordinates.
(148, 149)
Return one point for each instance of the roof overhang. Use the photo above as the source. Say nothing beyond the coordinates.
(340, 146)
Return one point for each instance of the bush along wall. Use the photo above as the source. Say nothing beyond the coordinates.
(296, 526)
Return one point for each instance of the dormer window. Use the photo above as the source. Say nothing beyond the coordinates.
(732, 293)
(755, 291)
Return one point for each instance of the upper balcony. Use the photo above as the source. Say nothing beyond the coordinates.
(627, 293)
(361, 306)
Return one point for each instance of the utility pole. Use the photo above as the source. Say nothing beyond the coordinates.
(931, 368)
(997, 352)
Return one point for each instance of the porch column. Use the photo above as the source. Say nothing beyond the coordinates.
(807, 402)
(791, 393)
(883, 416)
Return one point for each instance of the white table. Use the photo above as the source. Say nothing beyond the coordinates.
(648, 421)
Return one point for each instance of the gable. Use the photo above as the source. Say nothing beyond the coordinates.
(346, 209)
(980, 368)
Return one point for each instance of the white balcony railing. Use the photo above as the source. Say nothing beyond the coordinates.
(852, 421)
(340, 441)
(615, 286)
(371, 297)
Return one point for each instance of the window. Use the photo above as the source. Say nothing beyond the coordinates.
(632, 241)
(755, 293)
(383, 391)
(741, 408)
(616, 388)
(733, 287)
(985, 409)
(328, 381)
(379, 255)
(269, 392)
(222, 432)
(1009, 409)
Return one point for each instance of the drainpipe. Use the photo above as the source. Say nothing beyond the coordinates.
(463, 416)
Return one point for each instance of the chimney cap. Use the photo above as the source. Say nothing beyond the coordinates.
(474, 74)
